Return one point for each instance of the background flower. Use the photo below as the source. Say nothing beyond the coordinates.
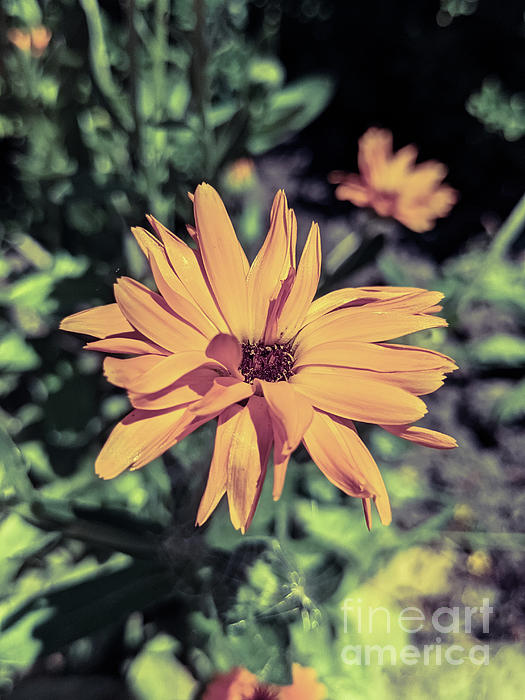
(394, 186)
(240, 684)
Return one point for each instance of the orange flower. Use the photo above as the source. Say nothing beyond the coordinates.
(240, 176)
(34, 40)
(393, 186)
(240, 684)
(248, 345)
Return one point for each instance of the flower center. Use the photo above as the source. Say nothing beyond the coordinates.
(263, 693)
(273, 363)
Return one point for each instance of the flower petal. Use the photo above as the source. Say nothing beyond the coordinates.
(218, 474)
(227, 350)
(290, 411)
(304, 287)
(171, 288)
(291, 414)
(336, 448)
(150, 314)
(138, 439)
(99, 321)
(417, 301)
(372, 356)
(305, 685)
(172, 368)
(128, 343)
(355, 395)
(423, 436)
(353, 189)
(189, 388)
(224, 392)
(125, 373)
(223, 258)
(375, 150)
(353, 296)
(186, 263)
(363, 324)
(280, 467)
(269, 268)
(246, 456)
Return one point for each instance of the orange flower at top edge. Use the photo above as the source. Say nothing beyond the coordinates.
(394, 186)
(240, 684)
(246, 344)
(34, 40)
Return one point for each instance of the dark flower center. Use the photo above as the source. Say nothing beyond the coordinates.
(263, 693)
(273, 363)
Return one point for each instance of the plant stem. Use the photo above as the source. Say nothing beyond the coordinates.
(507, 234)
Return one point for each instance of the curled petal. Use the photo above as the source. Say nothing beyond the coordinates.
(227, 350)
(224, 392)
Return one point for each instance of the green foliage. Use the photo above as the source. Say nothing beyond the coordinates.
(501, 350)
(499, 111)
(156, 674)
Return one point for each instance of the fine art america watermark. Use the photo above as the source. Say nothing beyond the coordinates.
(360, 619)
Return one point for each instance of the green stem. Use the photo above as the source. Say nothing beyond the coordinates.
(199, 77)
(135, 137)
(508, 232)
(497, 250)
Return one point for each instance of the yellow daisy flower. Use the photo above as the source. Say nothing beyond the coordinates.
(248, 345)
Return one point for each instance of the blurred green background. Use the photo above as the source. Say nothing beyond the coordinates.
(106, 588)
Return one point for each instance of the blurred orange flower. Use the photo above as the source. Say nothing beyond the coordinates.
(248, 344)
(240, 684)
(240, 176)
(393, 185)
(34, 40)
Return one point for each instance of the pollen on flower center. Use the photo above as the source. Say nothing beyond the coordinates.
(273, 363)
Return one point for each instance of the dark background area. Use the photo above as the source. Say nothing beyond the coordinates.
(397, 68)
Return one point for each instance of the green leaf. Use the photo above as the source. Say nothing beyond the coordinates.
(48, 621)
(288, 111)
(13, 470)
(100, 64)
(16, 355)
(156, 673)
(511, 406)
(20, 541)
(500, 350)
